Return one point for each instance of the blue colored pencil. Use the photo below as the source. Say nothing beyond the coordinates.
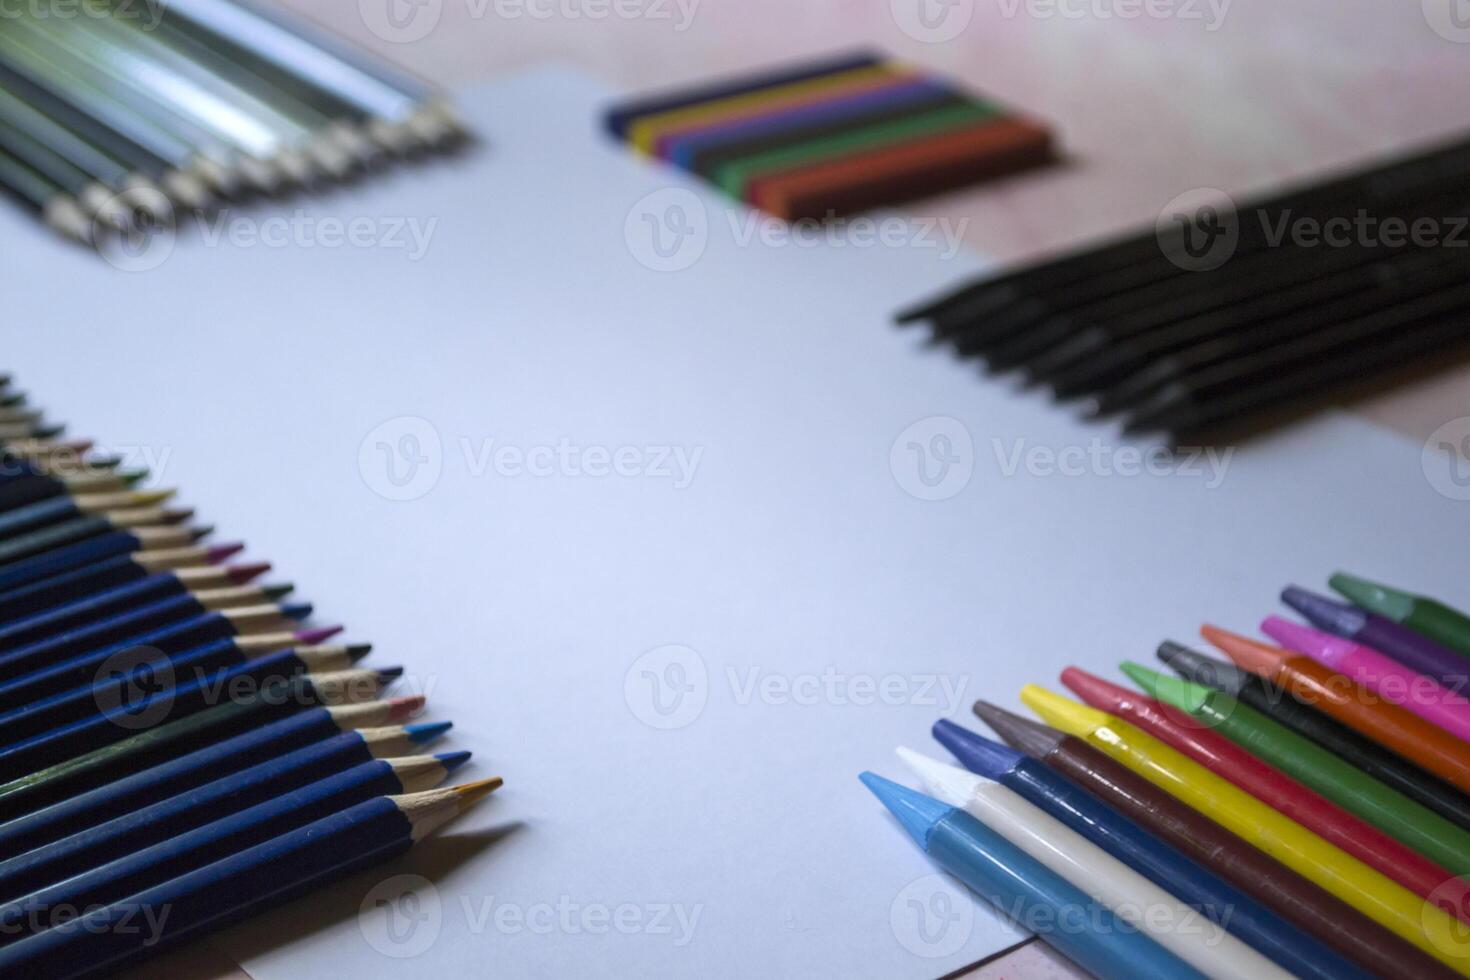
(55, 510)
(1059, 913)
(67, 802)
(49, 593)
(218, 800)
(240, 712)
(64, 661)
(109, 545)
(151, 671)
(1165, 866)
(167, 703)
(247, 882)
(198, 848)
(46, 539)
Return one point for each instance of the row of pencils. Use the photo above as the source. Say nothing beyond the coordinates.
(1294, 810)
(1223, 318)
(179, 746)
(126, 113)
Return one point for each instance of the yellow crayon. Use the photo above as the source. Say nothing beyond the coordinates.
(1419, 921)
(644, 133)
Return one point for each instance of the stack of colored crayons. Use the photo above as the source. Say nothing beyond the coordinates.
(177, 746)
(123, 111)
(1301, 809)
(1230, 317)
(824, 139)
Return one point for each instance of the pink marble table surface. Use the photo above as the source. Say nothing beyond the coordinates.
(1150, 97)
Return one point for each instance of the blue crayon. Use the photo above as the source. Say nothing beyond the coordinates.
(1189, 881)
(242, 884)
(684, 151)
(68, 804)
(154, 824)
(618, 119)
(198, 848)
(1061, 914)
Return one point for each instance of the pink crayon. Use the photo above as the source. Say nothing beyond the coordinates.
(1381, 674)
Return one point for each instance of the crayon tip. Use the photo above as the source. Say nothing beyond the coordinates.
(405, 707)
(1063, 713)
(274, 592)
(1256, 657)
(1388, 603)
(1304, 639)
(201, 532)
(916, 812)
(975, 752)
(472, 793)
(358, 651)
(247, 571)
(453, 760)
(320, 634)
(386, 674)
(220, 552)
(1172, 691)
(1324, 613)
(132, 477)
(944, 782)
(1101, 694)
(1195, 666)
(1022, 734)
(427, 731)
(296, 610)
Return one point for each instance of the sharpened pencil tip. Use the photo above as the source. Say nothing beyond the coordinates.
(320, 634)
(49, 431)
(220, 552)
(453, 760)
(358, 651)
(406, 706)
(247, 571)
(201, 532)
(472, 793)
(132, 477)
(277, 591)
(427, 731)
(386, 674)
(296, 610)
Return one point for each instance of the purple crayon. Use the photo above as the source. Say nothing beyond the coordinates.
(1407, 646)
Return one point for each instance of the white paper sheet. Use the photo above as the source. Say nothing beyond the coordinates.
(799, 564)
